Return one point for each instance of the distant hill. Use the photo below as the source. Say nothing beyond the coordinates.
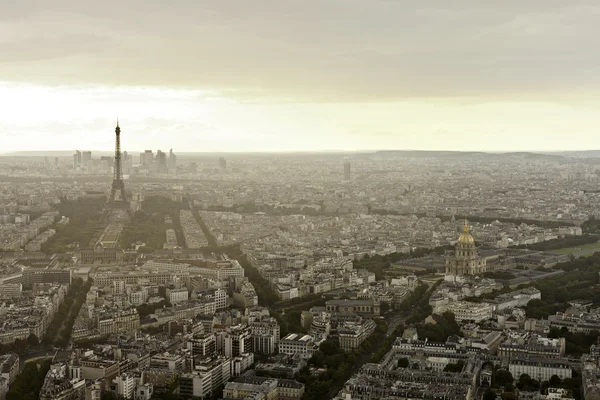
(469, 154)
(524, 155)
(578, 153)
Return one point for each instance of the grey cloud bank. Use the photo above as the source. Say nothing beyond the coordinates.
(316, 50)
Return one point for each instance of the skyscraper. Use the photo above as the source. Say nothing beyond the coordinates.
(108, 161)
(222, 163)
(161, 159)
(126, 163)
(86, 156)
(172, 162)
(76, 158)
(346, 170)
(146, 158)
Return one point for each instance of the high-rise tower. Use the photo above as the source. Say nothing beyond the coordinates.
(118, 197)
(346, 170)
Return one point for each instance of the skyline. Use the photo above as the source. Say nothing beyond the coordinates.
(280, 76)
(69, 152)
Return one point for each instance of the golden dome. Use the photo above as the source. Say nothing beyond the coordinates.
(465, 237)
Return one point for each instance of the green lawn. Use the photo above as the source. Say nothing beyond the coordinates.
(584, 249)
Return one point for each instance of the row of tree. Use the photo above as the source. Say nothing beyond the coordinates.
(416, 306)
(67, 329)
(29, 382)
(503, 380)
(339, 365)
(387, 344)
(59, 331)
(84, 224)
(592, 226)
(576, 343)
(266, 295)
(418, 303)
(20, 346)
(577, 282)
(479, 219)
(561, 243)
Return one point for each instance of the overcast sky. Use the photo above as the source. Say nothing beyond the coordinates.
(225, 75)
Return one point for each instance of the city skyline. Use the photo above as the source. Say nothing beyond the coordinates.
(285, 200)
(288, 77)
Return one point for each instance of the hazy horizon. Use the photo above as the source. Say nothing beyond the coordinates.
(70, 152)
(300, 200)
(279, 76)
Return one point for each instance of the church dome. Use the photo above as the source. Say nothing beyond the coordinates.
(465, 237)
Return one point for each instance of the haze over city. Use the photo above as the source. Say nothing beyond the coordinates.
(312, 75)
(299, 200)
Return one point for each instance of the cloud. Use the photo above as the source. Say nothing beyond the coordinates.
(39, 48)
(325, 50)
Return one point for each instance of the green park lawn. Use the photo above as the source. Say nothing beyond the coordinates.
(582, 250)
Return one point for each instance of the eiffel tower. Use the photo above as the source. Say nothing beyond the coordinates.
(118, 197)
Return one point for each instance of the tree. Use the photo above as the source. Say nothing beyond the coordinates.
(14, 396)
(458, 367)
(318, 390)
(555, 381)
(84, 224)
(19, 345)
(318, 359)
(527, 384)
(109, 396)
(503, 378)
(334, 361)
(330, 347)
(32, 340)
(29, 382)
(403, 362)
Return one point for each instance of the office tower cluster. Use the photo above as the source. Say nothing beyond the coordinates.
(150, 163)
(159, 163)
(81, 159)
(84, 163)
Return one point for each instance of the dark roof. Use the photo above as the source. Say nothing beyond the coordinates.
(290, 383)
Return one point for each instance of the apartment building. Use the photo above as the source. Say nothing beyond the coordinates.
(351, 335)
(368, 307)
(118, 321)
(295, 343)
(466, 311)
(206, 377)
(176, 296)
(540, 369)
